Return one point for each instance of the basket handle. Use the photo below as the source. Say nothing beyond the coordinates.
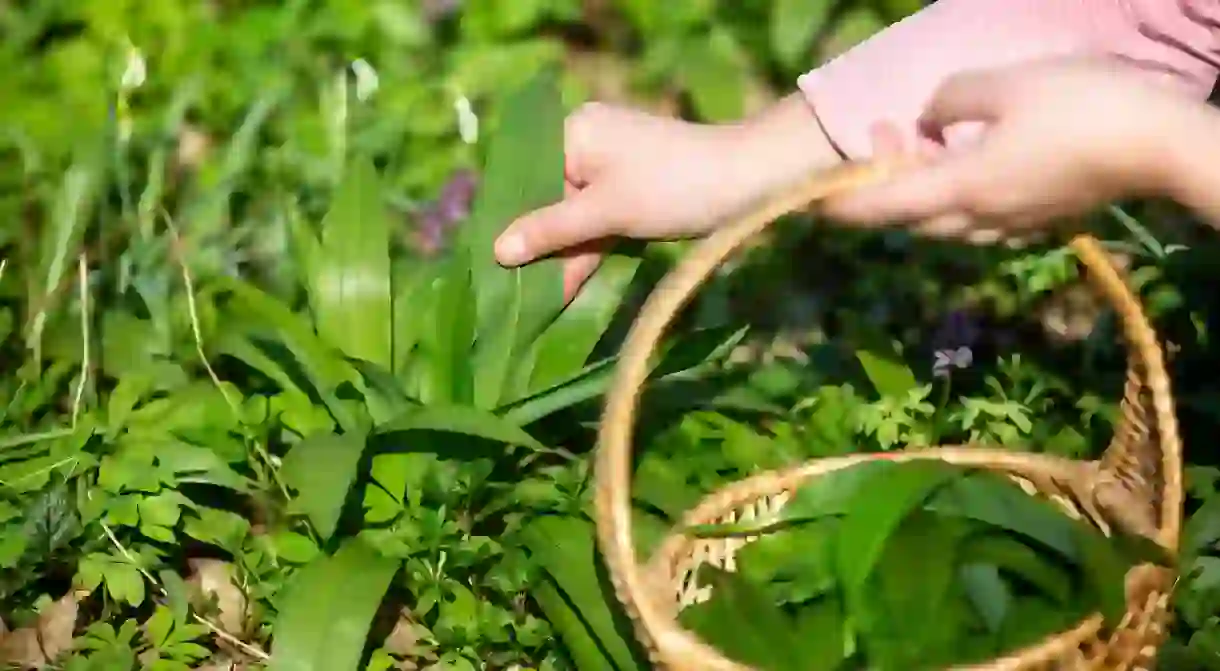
(1125, 464)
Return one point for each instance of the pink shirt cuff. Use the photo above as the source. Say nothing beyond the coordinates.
(891, 76)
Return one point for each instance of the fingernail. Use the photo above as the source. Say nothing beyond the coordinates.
(510, 249)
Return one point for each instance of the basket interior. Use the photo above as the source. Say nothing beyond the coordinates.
(1130, 644)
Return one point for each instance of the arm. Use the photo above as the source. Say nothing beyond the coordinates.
(891, 76)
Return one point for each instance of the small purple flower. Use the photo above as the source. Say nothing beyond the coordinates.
(430, 230)
(437, 219)
(457, 195)
(953, 342)
(944, 361)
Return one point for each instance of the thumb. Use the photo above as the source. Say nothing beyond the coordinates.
(586, 215)
(970, 96)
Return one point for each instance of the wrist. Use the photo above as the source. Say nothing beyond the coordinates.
(781, 145)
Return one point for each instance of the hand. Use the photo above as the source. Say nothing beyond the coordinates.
(1060, 137)
(632, 174)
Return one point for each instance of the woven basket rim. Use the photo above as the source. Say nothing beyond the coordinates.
(635, 585)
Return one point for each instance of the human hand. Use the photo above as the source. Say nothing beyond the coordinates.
(633, 174)
(1059, 137)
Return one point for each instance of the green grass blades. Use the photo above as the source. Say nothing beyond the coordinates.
(327, 608)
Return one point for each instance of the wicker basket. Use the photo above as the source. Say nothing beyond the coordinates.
(1136, 485)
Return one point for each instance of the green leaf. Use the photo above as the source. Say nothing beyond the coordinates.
(744, 623)
(449, 344)
(350, 292)
(523, 171)
(564, 348)
(820, 630)
(830, 495)
(877, 509)
(327, 607)
(907, 614)
(413, 309)
(322, 470)
(464, 420)
(1007, 554)
(999, 502)
(889, 375)
(794, 23)
(578, 641)
(252, 314)
(688, 352)
(585, 385)
(565, 548)
(987, 592)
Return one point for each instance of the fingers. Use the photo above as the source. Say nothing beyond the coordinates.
(579, 265)
(970, 96)
(588, 215)
(919, 193)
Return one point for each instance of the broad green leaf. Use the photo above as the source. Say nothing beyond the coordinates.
(744, 623)
(798, 563)
(907, 615)
(1031, 618)
(1008, 555)
(564, 348)
(987, 592)
(255, 315)
(821, 633)
(996, 501)
(1104, 568)
(250, 309)
(413, 309)
(565, 548)
(793, 25)
(523, 171)
(889, 375)
(661, 484)
(351, 291)
(327, 607)
(877, 509)
(1202, 530)
(585, 385)
(681, 356)
(322, 470)
(579, 642)
(383, 394)
(448, 346)
(464, 420)
(830, 495)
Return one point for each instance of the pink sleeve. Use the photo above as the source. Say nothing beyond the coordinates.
(891, 76)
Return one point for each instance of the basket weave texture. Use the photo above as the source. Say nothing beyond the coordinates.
(1136, 485)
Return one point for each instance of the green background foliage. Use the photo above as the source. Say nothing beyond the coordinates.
(266, 401)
